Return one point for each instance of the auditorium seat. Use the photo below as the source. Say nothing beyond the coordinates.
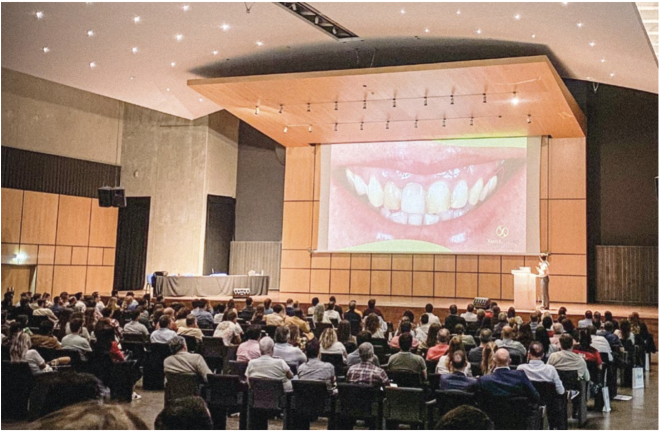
(154, 374)
(512, 413)
(406, 379)
(17, 384)
(337, 361)
(310, 401)
(213, 351)
(226, 394)
(359, 402)
(571, 383)
(180, 385)
(450, 399)
(406, 406)
(266, 397)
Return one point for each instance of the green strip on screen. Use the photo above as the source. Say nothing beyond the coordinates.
(398, 245)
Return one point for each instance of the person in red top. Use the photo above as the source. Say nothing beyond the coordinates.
(404, 327)
(440, 349)
(585, 350)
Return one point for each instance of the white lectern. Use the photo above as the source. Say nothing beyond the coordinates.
(524, 289)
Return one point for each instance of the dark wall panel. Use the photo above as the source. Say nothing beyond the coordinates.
(132, 240)
(220, 222)
(29, 170)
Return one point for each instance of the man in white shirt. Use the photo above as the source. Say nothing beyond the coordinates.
(283, 350)
(163, 334)
(544, 275)
(469, 315)
(191, 329)
(276, 318)
(98, 308)
(74, 340)
(432, 317)
(268, 367)
(537, 371)
(422, 331)
(80, 305)
(229, 330)
(43, 311)
(134, 326)
(600, 343)
(587, 321)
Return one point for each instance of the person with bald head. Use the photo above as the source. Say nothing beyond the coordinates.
(508, 342)
(268, 367)
(504, 382)
(537, 371)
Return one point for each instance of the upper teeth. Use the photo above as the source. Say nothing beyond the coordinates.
(418, 206)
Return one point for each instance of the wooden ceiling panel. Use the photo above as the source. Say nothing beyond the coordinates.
(397, 95)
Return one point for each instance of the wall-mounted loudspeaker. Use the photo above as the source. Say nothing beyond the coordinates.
(112, 197)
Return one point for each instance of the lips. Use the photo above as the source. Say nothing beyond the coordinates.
(449, 196)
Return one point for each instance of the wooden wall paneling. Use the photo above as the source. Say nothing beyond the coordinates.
(466, 285)
(99, 279)
(509, 263)
(320, 281)
(445, 284)
(69, 279)
(95, 256)
(402, 262)
(299, 174)
(31, 252)
(79, 256)
(39, 220)
(18, 277)
(321, 261)
(12, 210)
(360, 282)
(381, 261)
(339, 280)
(46, 255)
(566, 288)
(543, 226)
(568, 264)
(9, 252)
(295, 280)
(423, 262)
(340, 261)
(467, 263)
(317, 173)
(295, 259)
(381, 282)
(73, 220)
(422, 283)
(568, 226)
(445, 263)
(507, 286)
(63, 255)
(361, 261)
(109, 256)
(44, 283)
(315, 225)
(490, 286)
(402, 283)
(490, 264)
(297, 226)
(543, 189)
(568, 169)
(103, 228)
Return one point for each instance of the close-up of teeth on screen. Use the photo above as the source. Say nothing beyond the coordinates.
(461, 195)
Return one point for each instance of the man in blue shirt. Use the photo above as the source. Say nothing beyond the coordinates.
(204, 318)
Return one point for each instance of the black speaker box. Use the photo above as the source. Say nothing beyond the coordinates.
(105, 197)
(118, 198)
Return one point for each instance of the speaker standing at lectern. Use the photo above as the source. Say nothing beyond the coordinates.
(544, 275)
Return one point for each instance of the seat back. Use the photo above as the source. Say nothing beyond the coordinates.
(270, 330)
(180, 385)
(516, 357)
(223, 390)
(434, 381)
(405, 405)
(137, 349)
(337, 361)
(35, 321)
(208, 332)
(154, 374)
(555, 404)
(357, 401)
(309, 398)
(381, 353)
(450, 399)
(266, 394)
(334, 322)
(475, 367)
(138, 338)
(380, 342)
(509, 413)
(431, 366)
(594, 372)
(191, 343)
(124, 376)
(17, 384)
(405, 379)
(569, 379)
(213, 351)
(320, 327)
(237, 368)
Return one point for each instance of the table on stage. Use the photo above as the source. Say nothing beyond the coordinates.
(211, 286)
(524, 289)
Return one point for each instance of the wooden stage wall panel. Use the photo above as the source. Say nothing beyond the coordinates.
(627, 275)
(562, 229)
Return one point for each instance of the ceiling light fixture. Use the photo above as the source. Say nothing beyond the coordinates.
(458, 12)
(281, 108)
(426, 30)
(185, 7)
(471, 121)
(90, 33)
(580, 24)
(134, 50)
(415, 123)
(317, 19)
(310, 129)
(362, 125)
(225, 27)
(451, 99)
(592, 44)
(529, 119)
(173, 64)
(131, 77)
(260, 43)
(611, 75)
(137, 19)
(426, 101)
(39, 14)
(516, 17)
(286, 129)
(92, 65)
(394, 102)
(387, 125)
(514, 99)
(215, 52)
(256, 110)
(179, 37)
(46, 49)
(602, 60)
(403, 11)
(478, 31)
(309, 107)
(485, 99)
(201, 100)
(364, 104)
(533, 36)
(444, 122)
(336, 105)
(167, 89)
(335, 127)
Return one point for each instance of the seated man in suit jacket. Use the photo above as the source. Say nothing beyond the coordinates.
(458, 379)
(504, 382)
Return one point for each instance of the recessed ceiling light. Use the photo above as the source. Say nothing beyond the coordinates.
(592, 44)
(132, 78)
(516, 16)
(225, 27)
(602, 60)
(260, 43)
(179, 37)
(134, 50)
(46, 50)
(533, 36)
(580, 24)
(136, 19)
(185, 7)
(478, 31)
(173, 64)
(201, 100)
(611, 75)
(167, 89)
(215, 52)
(426, 30)
(92, 65)
(458, 12)
(403, 11)
(90, 33)
(564, 3)
(39, 14)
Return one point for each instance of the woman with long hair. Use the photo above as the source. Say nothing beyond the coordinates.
(63, 323)
(20, 351)
(319, 314)
(445, 365)
(112, 304)
(344, 336)
(90, 319)
(487, 358)
(543, 338)
(511, 314)
(181, 317)
(525, 335)
(372, 324)
(330, 345)
(432, 337)
(258, 317)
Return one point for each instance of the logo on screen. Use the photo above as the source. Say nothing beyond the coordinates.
(502, 231)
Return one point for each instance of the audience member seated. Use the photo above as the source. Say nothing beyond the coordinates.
(181, 317)
(315, 369)
(502, 321)
(45, 338)
(444, 363)
(428, 310)
(183, 362)
(90, 415)
(204, 317)
(405, 360)
(600, 343)
(248, 311)
(331, 313)
(607, 332)
(354, 317)
(189, 413)
(191, 329)
(458, 378)
(267, 309)
(465, 418)
(276, 318)
(312, 309)
(585, 350)
(299, 320)
(319, 315)
(508, 342)
(469, 316)
(366, 372)
(587, 321)
(330, 345)
(475, 354)
(557, 329)
(21, 351)
(249, 349)
(453, 319)
(338, 308)
(74, 341)
(609, 318)
(345, 337)
(434, 353)
(375, 325)
(218, 314)
(537, 371)
(371, 308)
(44, 311)
(567, 360)
(258, 318)
(284, 350)
(506, 382)
(163, 334)
(404, 328)
(468, 340)
(229, 330)
(134, 326)
(354, 357)
(431, 338)
(268, 367)
(422, 331)
(288, 309)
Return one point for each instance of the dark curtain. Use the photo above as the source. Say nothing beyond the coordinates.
(132, 238)
(220, 222)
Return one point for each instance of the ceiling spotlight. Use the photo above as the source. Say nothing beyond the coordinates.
(309, 107)
(403, 11)
(444, 122)
(451, 99)
(516, 16)
(256, 110)
(167, 89)
(394, 103)
(201, 100)
(471, 121)
(136, 19)
(281, 108)
(362, 125)
(564, 3)
(364, 104)
(335, 127)
(39, 14)
(529, 119)
(580, 24)
(335, 31)
(387, 125)
(336, 106)
(485, 99)
(134, 50)
(92, 65)
(533, 36)
(416, 124)
(286, 129)
(260, 43)
(602, 60)
(173, 64)
(426, 30)
(46, 50)
(90, 33)
(478, 31)
(514, 99)
(592, 44)
(179, 37)
(131, 77)
(185, 7)
(310, 129)
(458, 12)
(20, 257)
(215, 52)
(611, 75)
(426, 101)
(225, 27)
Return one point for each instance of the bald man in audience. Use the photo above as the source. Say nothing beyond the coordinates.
(537, 371)
(504, 382)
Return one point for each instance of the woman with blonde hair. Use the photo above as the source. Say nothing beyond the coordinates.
(445, 365)
(20, 351)
(487, 358)
(330, 345)
(319, 314)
